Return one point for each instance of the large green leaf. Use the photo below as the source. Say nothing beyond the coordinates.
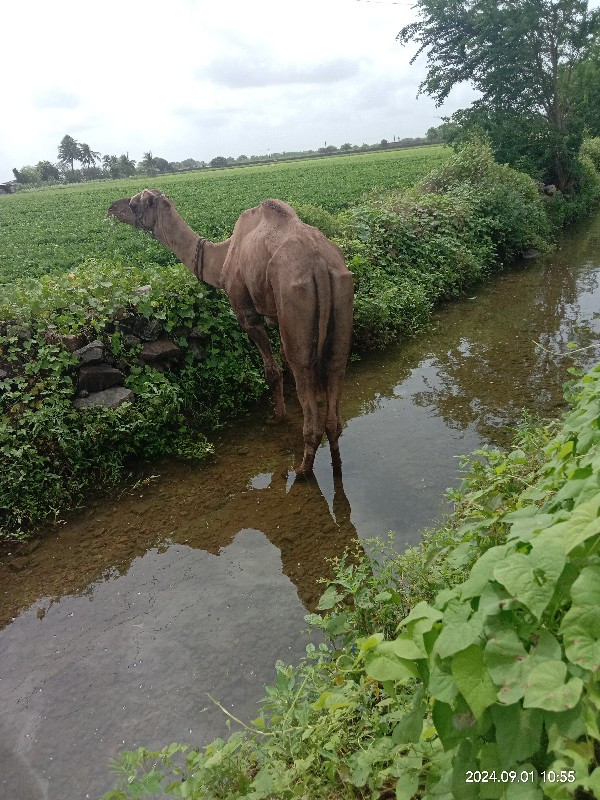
(531, 578)
(505, 658)
(383, 664)
(546, 687)
(483, 570)
(583, 523)
(581, 624)
(518, 733)
(473, 680)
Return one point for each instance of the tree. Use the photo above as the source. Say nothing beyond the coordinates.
(219, 161)
(520, 54)
(87, 156)
(161, 164)
(110, 164)
(585, 93)
(47, 171)
(126, 166)
(69, 152)
(20, 177)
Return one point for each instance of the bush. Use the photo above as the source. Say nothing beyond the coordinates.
(319, 218)
(50, 452)
(507, 201)
(591, 149)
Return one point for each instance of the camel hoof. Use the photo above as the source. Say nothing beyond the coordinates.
(305, 468)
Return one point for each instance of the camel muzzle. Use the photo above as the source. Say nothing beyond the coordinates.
(122, 211)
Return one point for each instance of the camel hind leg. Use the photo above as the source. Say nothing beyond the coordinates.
(333, 420)
(312, 430)
(337, 358)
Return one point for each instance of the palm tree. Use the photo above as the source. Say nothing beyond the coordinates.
(69, 151)
(147, 162)
(87, 157)
(110, 164)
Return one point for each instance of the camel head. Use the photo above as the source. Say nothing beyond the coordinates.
(142, 210)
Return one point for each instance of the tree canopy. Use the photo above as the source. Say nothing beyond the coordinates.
(523, 56)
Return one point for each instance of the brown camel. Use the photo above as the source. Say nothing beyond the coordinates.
(273, 266)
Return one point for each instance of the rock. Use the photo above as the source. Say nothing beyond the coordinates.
(109, 398)
(196, 350)
(25, 334)
(3, 374)
(147, 329)
(129, 340)
(197, 333)
(143, 291)
(97, 377)
(550, 189)
(160, 350)
(92, 353)
(120, 314)
(70, 341)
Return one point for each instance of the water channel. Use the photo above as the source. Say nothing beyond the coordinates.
(118, 622)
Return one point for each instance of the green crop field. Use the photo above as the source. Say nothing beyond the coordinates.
(53, 230)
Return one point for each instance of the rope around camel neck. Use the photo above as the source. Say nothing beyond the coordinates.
(198, 261)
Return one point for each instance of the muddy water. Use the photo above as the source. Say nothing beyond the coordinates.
(120, 621)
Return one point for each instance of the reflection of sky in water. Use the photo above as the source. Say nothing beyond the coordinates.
(135, 665)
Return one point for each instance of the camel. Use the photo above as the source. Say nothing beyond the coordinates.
(276, 267)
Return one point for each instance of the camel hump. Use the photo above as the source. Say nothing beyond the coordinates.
(279, 207)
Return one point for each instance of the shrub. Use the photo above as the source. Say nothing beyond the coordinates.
(50, 452)
(507, 201)
(591, 149)
(319, 218)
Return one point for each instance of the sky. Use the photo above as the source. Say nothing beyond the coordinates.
(197, 79)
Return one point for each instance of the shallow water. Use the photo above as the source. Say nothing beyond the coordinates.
(121, 620)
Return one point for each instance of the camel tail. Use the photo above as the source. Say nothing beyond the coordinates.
(323, 321)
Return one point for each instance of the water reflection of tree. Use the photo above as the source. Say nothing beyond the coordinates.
(486, 365)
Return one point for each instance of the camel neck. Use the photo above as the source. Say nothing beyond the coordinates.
(203, 258)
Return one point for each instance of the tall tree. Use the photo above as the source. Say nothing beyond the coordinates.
(126, 165)
(110, 164)
(520, 54)
(147, 162)
(586, 92)
(87, 156)
(69, 152)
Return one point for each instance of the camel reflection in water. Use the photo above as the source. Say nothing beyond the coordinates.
(297, 520)
(203, 509)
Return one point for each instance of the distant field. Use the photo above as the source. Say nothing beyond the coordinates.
(53, 230)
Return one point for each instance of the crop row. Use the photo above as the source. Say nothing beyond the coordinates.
(54, 230)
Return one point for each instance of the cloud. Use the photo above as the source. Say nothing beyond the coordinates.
(55, 98)
(251, 70)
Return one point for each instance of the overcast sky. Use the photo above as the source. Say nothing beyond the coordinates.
(190, 78)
